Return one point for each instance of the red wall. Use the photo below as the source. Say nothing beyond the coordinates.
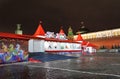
(107, 42)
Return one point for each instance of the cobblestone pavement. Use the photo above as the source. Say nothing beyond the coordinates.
(99, 66)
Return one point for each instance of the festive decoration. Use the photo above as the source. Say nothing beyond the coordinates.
(70, 34)
(49, 34)
(39, 32)
(12, 51)
(62, 35)
(79, 38)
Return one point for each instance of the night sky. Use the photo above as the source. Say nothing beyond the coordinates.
(96, 14)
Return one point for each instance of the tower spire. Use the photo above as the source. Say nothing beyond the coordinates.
(18, 30)
(40, 31)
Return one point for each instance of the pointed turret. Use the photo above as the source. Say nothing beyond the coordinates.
(39, 32)
(61, 31)
(79, 37)
(62, 35)
(18, 30)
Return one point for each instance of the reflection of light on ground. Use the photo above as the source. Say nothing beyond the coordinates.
(68, 60)
(75, 71)
(78, 61)
(47, 75)
(47, 64)
(84, 67)
(91, 58)
(73, 54)
(116, 64)
(68, 54)
(78, 55)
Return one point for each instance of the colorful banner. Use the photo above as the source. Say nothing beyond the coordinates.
(13, 50)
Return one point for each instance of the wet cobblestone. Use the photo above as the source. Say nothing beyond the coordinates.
(99, 66)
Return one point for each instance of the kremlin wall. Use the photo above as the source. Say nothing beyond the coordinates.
(106, 38)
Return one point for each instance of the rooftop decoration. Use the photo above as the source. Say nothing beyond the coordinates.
(79, 38)
(61, 35)
(49, 34)
(61, 31)
(70, 34)
(18, 30)
(39, 32)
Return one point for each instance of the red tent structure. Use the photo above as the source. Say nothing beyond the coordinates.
(92, 45)
(79, 38)
(87, 47)
(40, 31)
(61, 31)
(86, 43)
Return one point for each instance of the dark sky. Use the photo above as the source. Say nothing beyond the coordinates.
(97, 14)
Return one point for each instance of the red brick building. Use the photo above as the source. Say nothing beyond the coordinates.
(106, 38)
